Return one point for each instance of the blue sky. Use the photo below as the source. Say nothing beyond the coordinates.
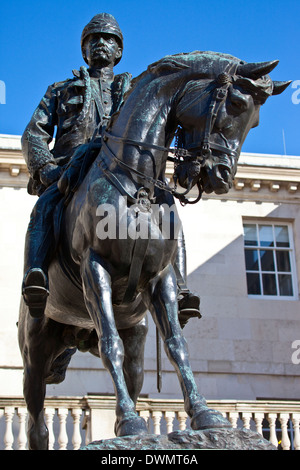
(40, 44)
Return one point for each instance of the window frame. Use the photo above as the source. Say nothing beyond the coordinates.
(259, 247)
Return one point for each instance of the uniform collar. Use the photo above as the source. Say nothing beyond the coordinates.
(105, 74)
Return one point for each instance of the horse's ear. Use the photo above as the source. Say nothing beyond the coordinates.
(279, 87)
(256, 70)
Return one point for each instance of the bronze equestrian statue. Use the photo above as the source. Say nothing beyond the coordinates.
(101, 287)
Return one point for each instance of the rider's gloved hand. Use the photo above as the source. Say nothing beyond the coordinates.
(50, 173)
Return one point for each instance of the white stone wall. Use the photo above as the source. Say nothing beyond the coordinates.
(242, 346)
(15, 207)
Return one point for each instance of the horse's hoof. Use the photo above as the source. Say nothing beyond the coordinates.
(131, 426)
(38, 439)
(208, 418)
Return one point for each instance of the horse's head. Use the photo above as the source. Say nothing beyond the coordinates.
(216, 116)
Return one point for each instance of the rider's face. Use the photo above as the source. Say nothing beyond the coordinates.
(101, 50)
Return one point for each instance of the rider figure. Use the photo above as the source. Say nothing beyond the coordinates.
(79, 109)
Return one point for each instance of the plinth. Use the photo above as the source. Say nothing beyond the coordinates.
(209, 439)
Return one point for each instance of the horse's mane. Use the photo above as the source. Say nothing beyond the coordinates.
(184, 60)
(209, 64)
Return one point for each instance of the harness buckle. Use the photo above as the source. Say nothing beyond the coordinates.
(205, 150)
(180, 152)
(221, 94)
(143, 200)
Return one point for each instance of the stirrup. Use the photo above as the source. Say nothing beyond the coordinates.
(188, 307)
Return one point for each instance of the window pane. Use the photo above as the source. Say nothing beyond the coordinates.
(267, 260)
(253, 284)
(285, 284)
(269, 284)
(282, 235)
(251, 259)
(250, 235)
(266, 235)
(283, 261)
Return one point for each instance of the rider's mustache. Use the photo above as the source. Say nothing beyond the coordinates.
(99, 49)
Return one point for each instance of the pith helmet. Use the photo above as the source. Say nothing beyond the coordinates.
(103, 23)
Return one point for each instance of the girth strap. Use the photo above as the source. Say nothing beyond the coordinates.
(139, 253)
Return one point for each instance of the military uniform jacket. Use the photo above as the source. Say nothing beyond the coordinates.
(75, 108)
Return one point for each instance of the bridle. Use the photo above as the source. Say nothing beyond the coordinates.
(219, 95)
(197, 152)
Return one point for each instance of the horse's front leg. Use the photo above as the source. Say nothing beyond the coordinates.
(97, 292)
(165, 315)
(134, 339)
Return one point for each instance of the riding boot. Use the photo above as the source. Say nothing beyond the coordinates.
(188, 302)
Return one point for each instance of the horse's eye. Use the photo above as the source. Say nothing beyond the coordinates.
(239, 100)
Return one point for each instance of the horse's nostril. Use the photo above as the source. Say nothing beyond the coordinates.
(223, 171)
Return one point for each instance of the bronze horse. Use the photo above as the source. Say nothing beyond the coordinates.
(102, 287)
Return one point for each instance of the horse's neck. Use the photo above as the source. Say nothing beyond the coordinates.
(143, 118)
(145, 114)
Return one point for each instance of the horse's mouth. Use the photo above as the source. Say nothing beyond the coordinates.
(217, 179)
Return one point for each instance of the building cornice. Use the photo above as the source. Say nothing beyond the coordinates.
(257, 173)
(275, 172)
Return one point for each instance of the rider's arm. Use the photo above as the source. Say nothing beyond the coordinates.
(38, 135)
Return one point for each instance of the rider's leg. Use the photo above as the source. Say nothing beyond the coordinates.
(39, 248)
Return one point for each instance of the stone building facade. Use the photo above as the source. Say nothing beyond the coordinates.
(244, 261)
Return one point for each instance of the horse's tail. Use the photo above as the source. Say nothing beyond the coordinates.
(59, 367)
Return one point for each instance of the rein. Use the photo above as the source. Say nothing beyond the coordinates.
(222, 84)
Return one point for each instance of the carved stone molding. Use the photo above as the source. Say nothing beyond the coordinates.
(257, 174)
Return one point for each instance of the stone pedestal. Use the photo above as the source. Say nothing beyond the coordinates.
(209, 439)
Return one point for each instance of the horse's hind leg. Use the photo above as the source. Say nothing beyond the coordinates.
(165, 314)
(38, 345)
(97, 293)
